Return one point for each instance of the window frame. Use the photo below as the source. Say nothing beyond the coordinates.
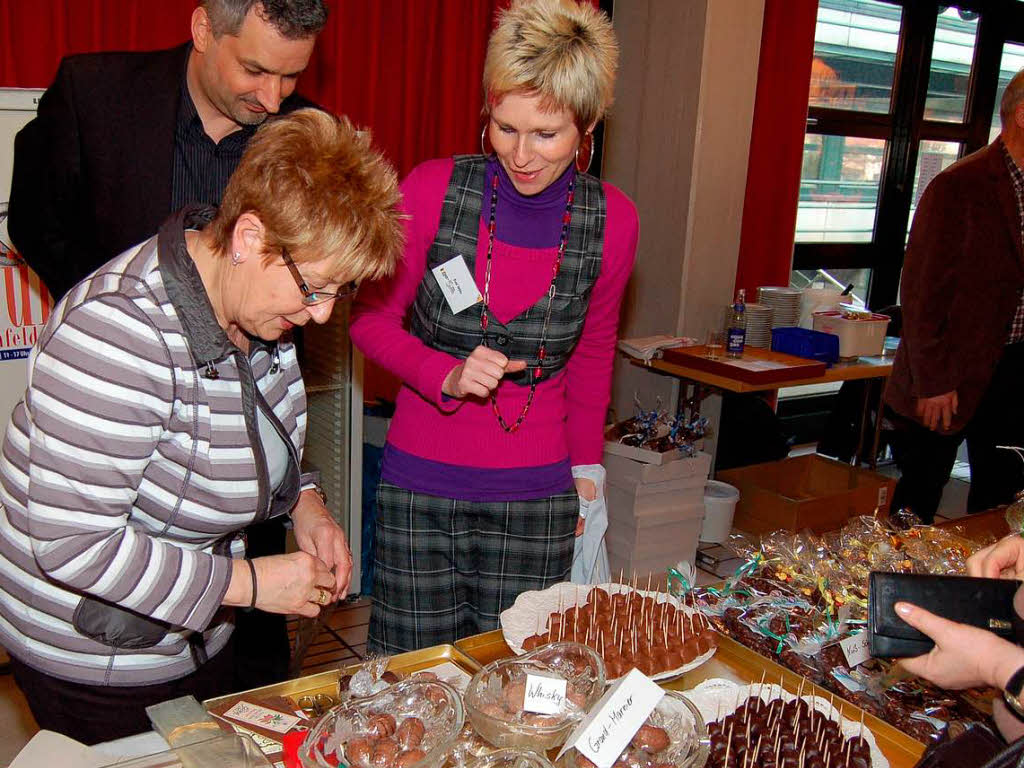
(904, 127)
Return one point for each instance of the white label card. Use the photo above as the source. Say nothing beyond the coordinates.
(616, 718)
(855, 648)
(254, 714)
(544, 695)
(457, 284)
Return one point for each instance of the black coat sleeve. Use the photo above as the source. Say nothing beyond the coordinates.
(49, 220)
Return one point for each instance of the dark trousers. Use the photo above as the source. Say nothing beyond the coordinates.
(262, 651)
(925, 458)
(94, 713)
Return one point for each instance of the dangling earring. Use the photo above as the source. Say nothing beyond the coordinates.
(485, 142)
(236, 257)
(587, 148)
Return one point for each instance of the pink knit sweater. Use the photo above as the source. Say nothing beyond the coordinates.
(568, 411)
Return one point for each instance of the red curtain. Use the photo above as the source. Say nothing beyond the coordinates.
(776, 144)
(410, 70)
(407, 69)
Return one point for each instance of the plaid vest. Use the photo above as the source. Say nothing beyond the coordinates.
(458, 335)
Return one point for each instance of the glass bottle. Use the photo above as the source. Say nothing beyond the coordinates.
(736, 330)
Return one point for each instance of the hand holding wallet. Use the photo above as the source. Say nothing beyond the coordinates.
(983, 603)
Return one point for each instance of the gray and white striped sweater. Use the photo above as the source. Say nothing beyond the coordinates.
(126, 462)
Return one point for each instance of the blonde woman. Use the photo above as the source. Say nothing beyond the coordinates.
(505, 396)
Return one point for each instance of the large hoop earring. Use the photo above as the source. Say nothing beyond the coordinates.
(587, 148)
(485, 142)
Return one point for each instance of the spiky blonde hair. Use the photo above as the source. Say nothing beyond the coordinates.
(562, 50)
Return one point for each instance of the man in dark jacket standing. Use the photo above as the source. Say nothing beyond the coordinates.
(960, 365)
(123, 139)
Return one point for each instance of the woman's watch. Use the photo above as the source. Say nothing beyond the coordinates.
(1012, 694)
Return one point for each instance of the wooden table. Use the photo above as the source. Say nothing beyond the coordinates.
(734, 662)
(705, 382)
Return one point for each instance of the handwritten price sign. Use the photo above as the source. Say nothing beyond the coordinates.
(855, 648)
(615, 720)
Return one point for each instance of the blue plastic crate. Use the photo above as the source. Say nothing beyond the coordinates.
(802, 342)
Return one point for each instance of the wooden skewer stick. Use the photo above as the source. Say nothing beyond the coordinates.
(861, 733)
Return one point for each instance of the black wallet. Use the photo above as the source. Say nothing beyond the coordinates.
(984, 603)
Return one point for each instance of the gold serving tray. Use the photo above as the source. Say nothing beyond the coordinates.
(733, 661)
(327, 682)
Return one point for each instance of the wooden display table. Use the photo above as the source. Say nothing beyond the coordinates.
(733, 661)
(762, 370)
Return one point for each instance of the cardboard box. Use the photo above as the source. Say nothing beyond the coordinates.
(641, 454)
(627, 472)
(805, 492)
(647, 509)
(654, 513)
(680, 544)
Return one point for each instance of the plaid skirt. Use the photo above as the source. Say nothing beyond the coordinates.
(445, 569)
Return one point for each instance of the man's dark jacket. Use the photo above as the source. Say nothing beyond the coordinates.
(92, 171)
(962, 279)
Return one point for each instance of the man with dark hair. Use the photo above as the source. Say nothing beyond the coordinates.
(959, 366)
(123, 139)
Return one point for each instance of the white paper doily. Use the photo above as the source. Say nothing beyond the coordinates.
(531, 609)
(717, 698)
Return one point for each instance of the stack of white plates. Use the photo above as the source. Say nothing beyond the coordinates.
(785, 304)
(759, 325)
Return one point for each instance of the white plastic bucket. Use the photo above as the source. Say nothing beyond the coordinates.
(719, 506)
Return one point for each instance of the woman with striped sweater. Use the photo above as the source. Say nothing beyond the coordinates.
(164, 413)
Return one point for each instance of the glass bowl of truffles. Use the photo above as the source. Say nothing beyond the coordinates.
(411, 724)
(673, 736)
(496, 696)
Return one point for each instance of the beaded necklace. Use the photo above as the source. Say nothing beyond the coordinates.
(541, 350)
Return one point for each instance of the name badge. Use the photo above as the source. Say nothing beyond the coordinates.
(457, 284)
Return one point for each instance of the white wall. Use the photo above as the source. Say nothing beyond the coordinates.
(677, 143)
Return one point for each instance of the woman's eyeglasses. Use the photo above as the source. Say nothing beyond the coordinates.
(311, 298)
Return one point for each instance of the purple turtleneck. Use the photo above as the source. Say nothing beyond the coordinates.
(533, 221)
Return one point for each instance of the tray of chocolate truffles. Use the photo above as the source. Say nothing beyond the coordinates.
(655, 632)
(411, 724)
(764, 726)
(797, 596)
